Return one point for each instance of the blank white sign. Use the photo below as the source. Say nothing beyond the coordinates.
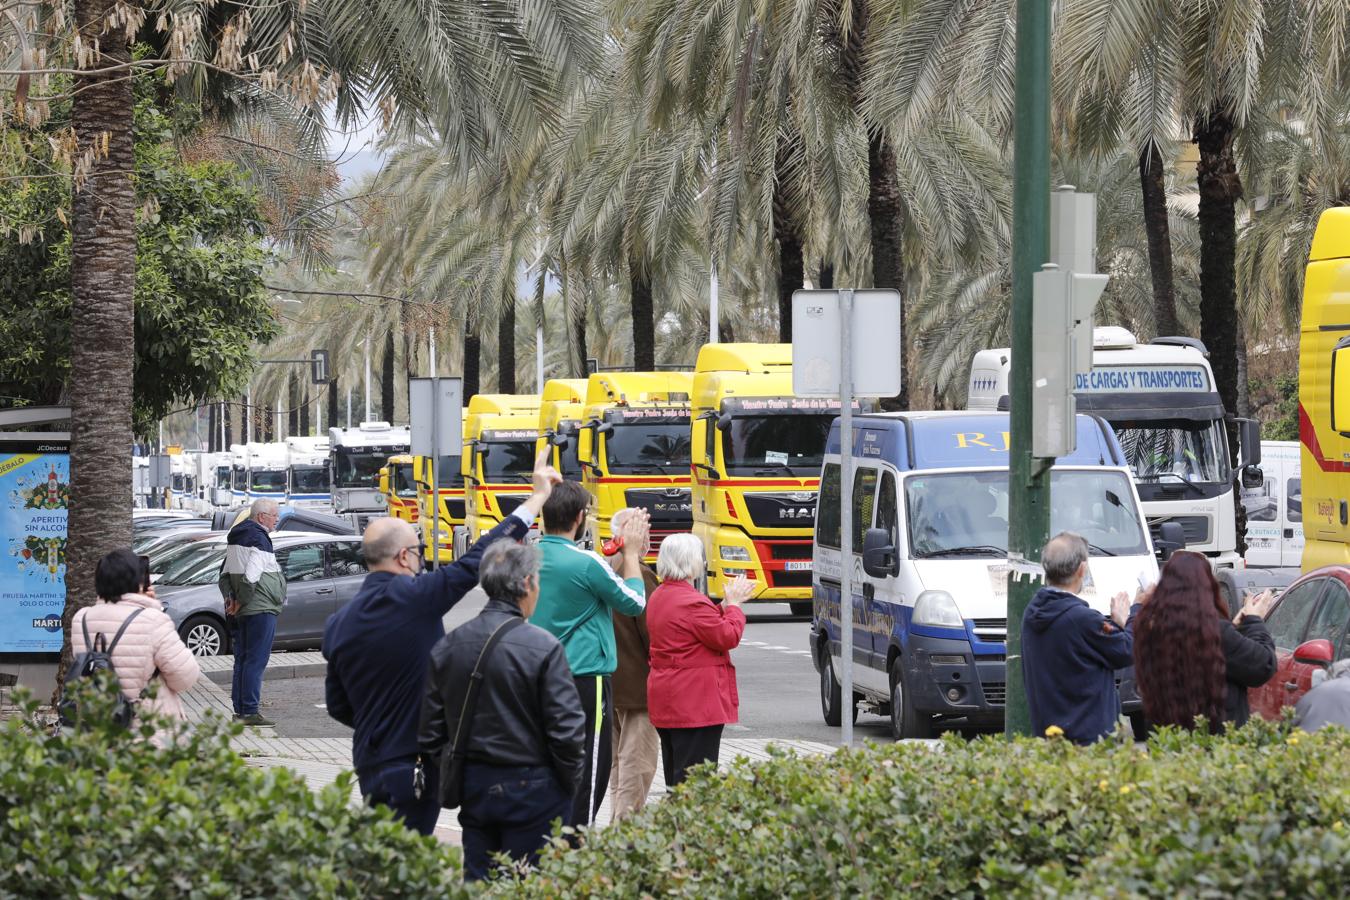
(816, 368)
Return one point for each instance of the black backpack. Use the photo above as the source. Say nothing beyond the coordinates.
(96, 661)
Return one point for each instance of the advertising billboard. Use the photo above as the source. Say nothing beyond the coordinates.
(34, 496)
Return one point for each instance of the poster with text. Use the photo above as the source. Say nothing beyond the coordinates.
(34, 495)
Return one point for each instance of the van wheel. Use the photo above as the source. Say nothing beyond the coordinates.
(831, 706)
(204, 636)
(906, 721)
(801, 608)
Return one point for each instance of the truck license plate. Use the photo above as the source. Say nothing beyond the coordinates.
(797, 565)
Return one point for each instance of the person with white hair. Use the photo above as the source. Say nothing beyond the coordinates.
(254, 590)
(1328, 703)
(691, 691)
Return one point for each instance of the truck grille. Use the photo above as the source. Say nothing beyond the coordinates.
(1196, 528)
(790, 550)
(508, 502)
(454, 509)
(786, 510)
(789, 579)
(990, 629)
(995, 692)
(671, 509)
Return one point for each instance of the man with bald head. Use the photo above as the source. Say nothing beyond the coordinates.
(378, 649)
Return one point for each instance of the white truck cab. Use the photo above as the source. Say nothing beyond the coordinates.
(307, 476)
(930, 560)
(356, 456)
(1162, 402)
(266, 472)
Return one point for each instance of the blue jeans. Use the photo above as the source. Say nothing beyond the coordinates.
(391, 784)
(252, 646)
(508, 809)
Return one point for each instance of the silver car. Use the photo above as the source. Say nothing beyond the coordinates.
(323, 573)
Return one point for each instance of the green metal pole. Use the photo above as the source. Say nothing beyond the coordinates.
(1028, 483)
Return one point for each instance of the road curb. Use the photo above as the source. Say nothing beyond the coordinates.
(273, 673)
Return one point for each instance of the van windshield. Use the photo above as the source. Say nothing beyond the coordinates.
(779, 444)
(965, 514)
(1171, 451)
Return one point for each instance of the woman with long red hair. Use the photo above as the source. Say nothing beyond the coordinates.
(1189, 659)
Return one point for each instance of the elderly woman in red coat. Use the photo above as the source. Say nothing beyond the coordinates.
(691, 691)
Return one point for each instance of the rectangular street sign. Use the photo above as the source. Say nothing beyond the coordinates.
(817, 346)
(435, 403)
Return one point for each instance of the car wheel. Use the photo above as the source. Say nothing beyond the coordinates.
(801, 608)
(906, 721)
(204, 636)
(831, 705)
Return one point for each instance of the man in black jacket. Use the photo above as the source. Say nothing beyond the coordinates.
(525, 742)
(378, 646)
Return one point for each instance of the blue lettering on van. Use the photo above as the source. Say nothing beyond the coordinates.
(1144, 378)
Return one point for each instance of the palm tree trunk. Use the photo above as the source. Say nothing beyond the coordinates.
(1220, 189)
(293, 400)
(387, 378)
(791, 267)
(334, 419)
(227, 411)
(644, 323)
(102, 331)
(884, 209)
(826, 277)
(506, 343)
(473, 352)
(304, 412)
(1159, 233)
(212, 428)
(577, 314)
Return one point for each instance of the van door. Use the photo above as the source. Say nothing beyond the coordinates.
(864, 588)
(883, 606)
(1291, 533)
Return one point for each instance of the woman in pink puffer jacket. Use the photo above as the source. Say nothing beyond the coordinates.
(150, 642)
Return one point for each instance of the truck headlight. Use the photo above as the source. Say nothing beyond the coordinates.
(734, 554)
(937, 608)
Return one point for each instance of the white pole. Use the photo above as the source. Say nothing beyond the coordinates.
(349, 407)
(281, 416)
(248, 415)
(367, 418)
(431, 350)
(846, 516)
(712, 303)
(539, 357)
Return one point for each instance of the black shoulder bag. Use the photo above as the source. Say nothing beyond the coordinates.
(452, 760)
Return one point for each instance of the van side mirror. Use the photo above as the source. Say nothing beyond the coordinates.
(1252, 477)
(1317, 652)
(1340, 387)
(879, 558)
(1249, 438)
(1171, 538)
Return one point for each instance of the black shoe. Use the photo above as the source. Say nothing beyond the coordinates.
(257, 720)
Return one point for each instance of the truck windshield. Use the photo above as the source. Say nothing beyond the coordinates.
(223, 476)
(274, 482)
(507, 461)
(1162, 451)
(358, 469)
(648, 448)
(965, 514)
(786, 443)
(309, 479)
(448, 475)
(239, 478)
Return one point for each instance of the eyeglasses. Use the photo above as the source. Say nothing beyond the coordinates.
(420, 547)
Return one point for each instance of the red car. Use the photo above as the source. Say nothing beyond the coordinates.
(1309, 624)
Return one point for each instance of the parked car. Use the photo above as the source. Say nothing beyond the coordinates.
(323, 573)
(1309, 624)
(155, 543)
(290, 518)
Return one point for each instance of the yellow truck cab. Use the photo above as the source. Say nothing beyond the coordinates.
(634, 451)
(756, 453)
(396, 483)
(451, 495)
(1324, 394)
(560, 409)
(500, 431)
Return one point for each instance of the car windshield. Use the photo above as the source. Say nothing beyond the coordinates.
(966, 513)
(638, 448)
(1167, 451)
(507, 461)
(310, 479)
(272, 482)
(178, 569)
(205, 569)
(358, 469)
(753, 443)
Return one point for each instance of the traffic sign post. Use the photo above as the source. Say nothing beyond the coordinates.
(846, 344)
(435, 416)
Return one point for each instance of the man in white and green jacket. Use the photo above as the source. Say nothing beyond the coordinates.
(254, 590)
(577, 591)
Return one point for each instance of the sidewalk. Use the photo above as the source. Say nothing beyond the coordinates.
(320, 760)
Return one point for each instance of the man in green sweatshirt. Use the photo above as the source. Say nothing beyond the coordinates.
(577, 591)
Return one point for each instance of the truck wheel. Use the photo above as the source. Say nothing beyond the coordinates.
(831, 706)
(906, 721)
(204, 636)
(801, 608)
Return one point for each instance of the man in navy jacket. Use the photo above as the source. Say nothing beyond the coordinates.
(1070, 652)
(378, 649)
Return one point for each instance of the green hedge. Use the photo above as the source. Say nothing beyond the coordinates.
(1261, 813)
(103, 813)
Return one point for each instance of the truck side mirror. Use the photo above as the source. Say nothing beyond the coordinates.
(1340, 387)
(879, 558)
(1249, 438)
(1171, 538)
(1317, 652)
(1252, 477)
(557, 439)
(724, 422)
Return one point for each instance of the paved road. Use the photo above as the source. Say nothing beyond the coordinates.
(779, 688)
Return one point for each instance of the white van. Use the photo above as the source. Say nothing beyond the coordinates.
(929, 610)
(1275, 510)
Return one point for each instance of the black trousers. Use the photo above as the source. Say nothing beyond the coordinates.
(508, 810)
(599, 755)
(684, 748)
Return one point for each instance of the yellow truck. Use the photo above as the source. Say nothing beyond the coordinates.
(560, 409)
(756, 455)
(1324, 395)
(400, 492)
(500, 431)
(634, 451)
(450, 493)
